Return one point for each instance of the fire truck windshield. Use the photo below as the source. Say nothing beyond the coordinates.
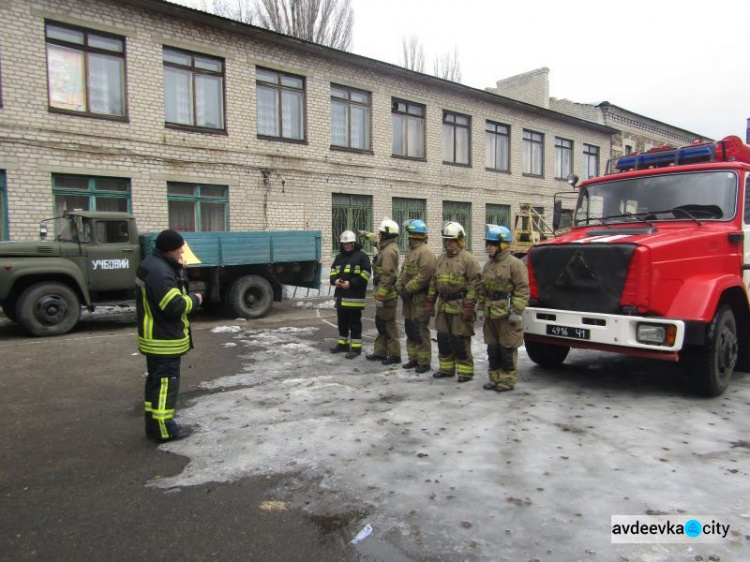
(695, 196)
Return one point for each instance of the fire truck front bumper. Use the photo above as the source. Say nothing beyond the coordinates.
(633, 335)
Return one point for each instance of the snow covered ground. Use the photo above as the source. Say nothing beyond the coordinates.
(443, 471)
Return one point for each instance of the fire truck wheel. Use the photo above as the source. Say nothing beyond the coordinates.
(250, 296)
(546, 355)
(48, 309)
(710, 367)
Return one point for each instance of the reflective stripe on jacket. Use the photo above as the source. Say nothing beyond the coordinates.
(355, 268)
(162, 307)
(385, 268)
(504, 274)
(455, 274)
(418, 269)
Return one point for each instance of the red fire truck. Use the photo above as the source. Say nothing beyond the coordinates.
(657, 265)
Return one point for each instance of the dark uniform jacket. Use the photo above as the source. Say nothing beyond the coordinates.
(354, 267)
(162, 306)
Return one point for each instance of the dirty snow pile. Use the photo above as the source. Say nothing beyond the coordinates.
(448, 471)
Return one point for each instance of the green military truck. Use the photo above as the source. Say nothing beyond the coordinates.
(94, 256)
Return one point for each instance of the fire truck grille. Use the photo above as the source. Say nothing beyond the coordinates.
(586, 277)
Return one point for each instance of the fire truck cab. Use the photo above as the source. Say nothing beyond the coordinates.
(657, 265)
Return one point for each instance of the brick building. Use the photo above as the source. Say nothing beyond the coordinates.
(635, 133)
(197, 122)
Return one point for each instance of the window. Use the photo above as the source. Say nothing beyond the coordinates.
(112, 232)
(350, 118)
(4, 235)
(498, 214)
(408, 129)
(590, 161)
(461, 213)
(563, 158)
(197, 208)
(193, 90)
(497, 147)
(350, 212)
(85, 71)
(281, 105)
(533, 153)
(405, 210)
(90, 193)
(456, 138)
(628, 149)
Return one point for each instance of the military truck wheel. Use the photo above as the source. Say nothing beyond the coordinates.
(709, 368)
(9, 308)
(48, 309)
(250, 297)
(546, 355)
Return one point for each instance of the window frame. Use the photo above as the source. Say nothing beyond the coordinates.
(279, 88)
(404, 209)
(449, 205)
(349, 105)
(561, 148)
(197, 199)
(587, 155)
(86, 49)
(92, 192)
(407, 115)
(353, 202)
(447, 114)
(194, 107)
(531, 142)
(495, 133)
(495, 209)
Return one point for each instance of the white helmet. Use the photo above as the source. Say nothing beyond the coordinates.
(453, 231)
(388, 226)
(347, 236)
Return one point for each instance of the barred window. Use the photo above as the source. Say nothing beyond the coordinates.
(350, 212)
(405, 210)
(460, 212)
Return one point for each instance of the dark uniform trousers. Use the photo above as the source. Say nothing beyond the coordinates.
(162, 388)
(350, 322)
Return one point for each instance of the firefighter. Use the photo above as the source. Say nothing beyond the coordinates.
(385, 270)
(413, 284)
(162, 308)
(350, 274)
(504, 292)
(454, 288)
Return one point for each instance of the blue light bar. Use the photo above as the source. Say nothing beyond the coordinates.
(676, 157)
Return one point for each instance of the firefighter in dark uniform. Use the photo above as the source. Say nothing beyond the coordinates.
(504, 293)
(350, 274)
(454, 288)
(162, 307)
(413, 284)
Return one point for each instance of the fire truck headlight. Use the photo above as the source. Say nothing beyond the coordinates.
(658, 334)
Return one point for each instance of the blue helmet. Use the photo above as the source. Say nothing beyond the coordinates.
(498, 234)
(416, 227)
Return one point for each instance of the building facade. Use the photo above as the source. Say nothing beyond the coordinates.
(196, 122)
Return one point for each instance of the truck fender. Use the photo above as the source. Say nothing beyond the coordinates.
(698, 297)
(46, 269)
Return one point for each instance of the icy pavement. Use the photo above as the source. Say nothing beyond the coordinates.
(443, 471)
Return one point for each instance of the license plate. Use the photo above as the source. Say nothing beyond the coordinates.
(569, 332)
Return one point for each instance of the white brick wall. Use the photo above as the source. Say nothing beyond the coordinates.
(37, 143)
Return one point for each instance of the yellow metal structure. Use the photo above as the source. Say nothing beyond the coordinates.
(529, 228)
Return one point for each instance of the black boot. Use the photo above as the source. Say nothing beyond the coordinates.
(441, 375)
(411, 364)
(463, 378)
(340, 348)
(392, 361)
(375, 357)
(422, 369)
(354, 352)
